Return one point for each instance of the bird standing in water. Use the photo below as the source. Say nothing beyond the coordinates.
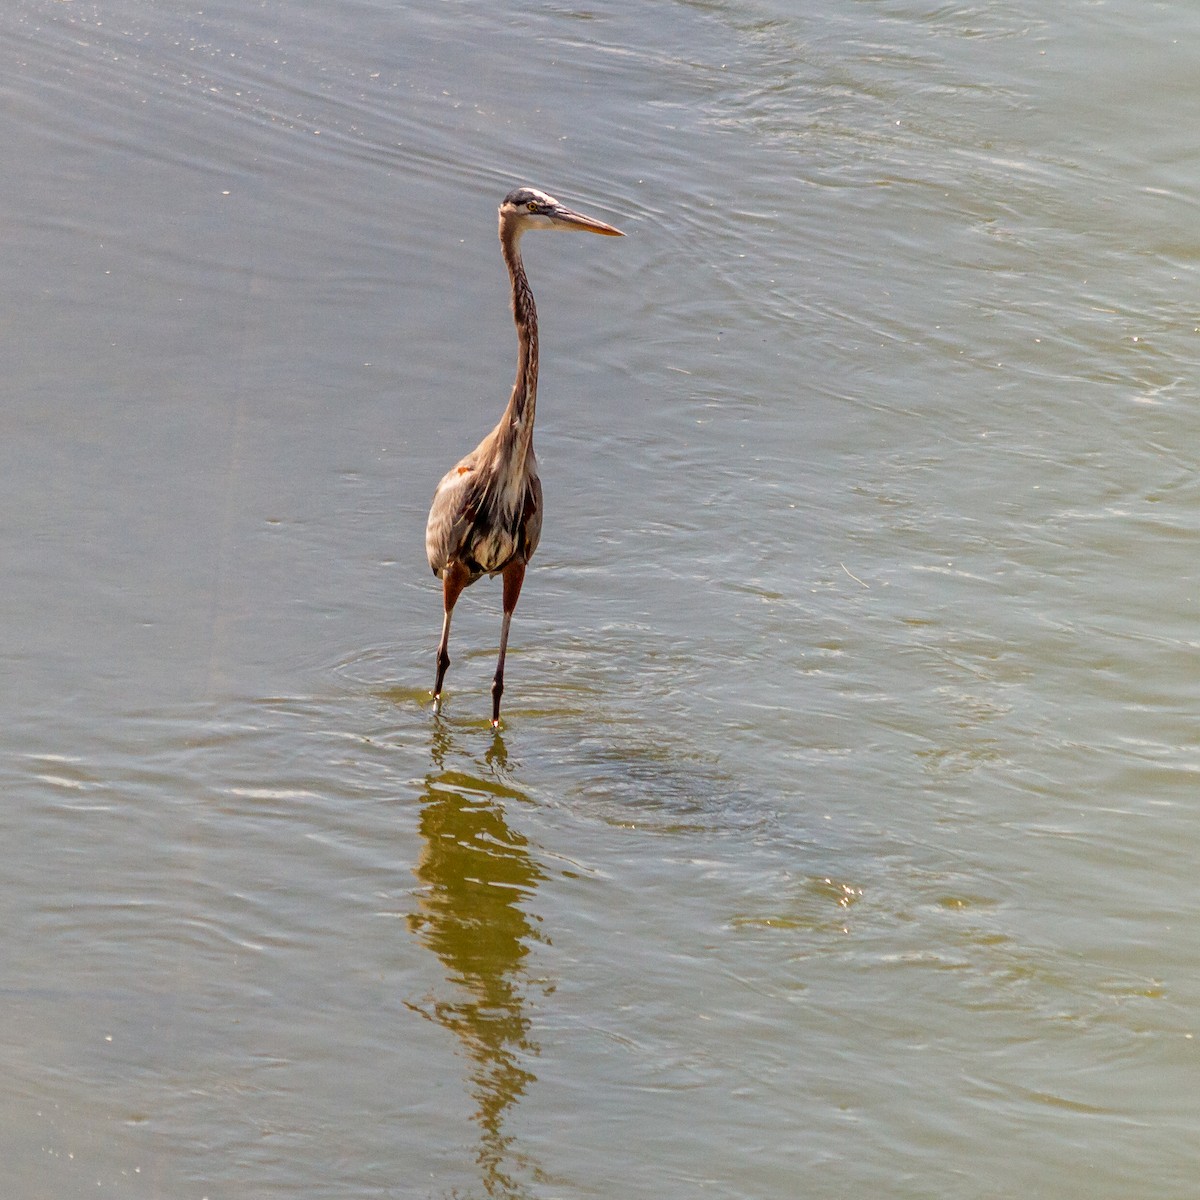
(486, 517)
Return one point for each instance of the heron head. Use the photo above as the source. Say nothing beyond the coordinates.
(527, 208)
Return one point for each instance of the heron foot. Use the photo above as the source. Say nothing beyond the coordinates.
(497, 692)
(443, 661)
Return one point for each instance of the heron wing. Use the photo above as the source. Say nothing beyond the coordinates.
(531, 518)
(466, 523)
(471, 520)
(456, 504)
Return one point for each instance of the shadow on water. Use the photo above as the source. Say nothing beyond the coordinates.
(475, 873)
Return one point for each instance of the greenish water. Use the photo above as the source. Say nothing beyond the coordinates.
(839, 835)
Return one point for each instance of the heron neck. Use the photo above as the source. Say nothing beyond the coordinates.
(518, 417)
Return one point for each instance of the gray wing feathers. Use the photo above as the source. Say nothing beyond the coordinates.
(455, 503)
(533, 517)
(465, 523)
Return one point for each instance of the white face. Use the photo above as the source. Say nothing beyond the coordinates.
(533, 208)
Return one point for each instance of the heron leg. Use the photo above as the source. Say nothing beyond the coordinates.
(514, 576)
(456, 578)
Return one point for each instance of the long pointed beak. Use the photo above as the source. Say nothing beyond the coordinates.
(567, 218)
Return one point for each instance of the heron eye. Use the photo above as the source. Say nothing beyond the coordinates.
(532, 206)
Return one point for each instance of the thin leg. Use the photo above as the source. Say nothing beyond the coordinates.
(453, 581)
(514, 576)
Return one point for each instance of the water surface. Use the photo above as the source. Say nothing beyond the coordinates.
(839, 834)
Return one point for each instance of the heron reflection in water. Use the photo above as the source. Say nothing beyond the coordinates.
(476, 872)
(486, 517)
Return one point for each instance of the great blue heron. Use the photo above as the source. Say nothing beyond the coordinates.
(486, 517)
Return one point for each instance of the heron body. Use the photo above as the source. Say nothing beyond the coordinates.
(486, 517)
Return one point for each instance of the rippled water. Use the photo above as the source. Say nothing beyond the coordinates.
(839, 835)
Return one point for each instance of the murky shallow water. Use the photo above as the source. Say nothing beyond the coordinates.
(840, 833)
